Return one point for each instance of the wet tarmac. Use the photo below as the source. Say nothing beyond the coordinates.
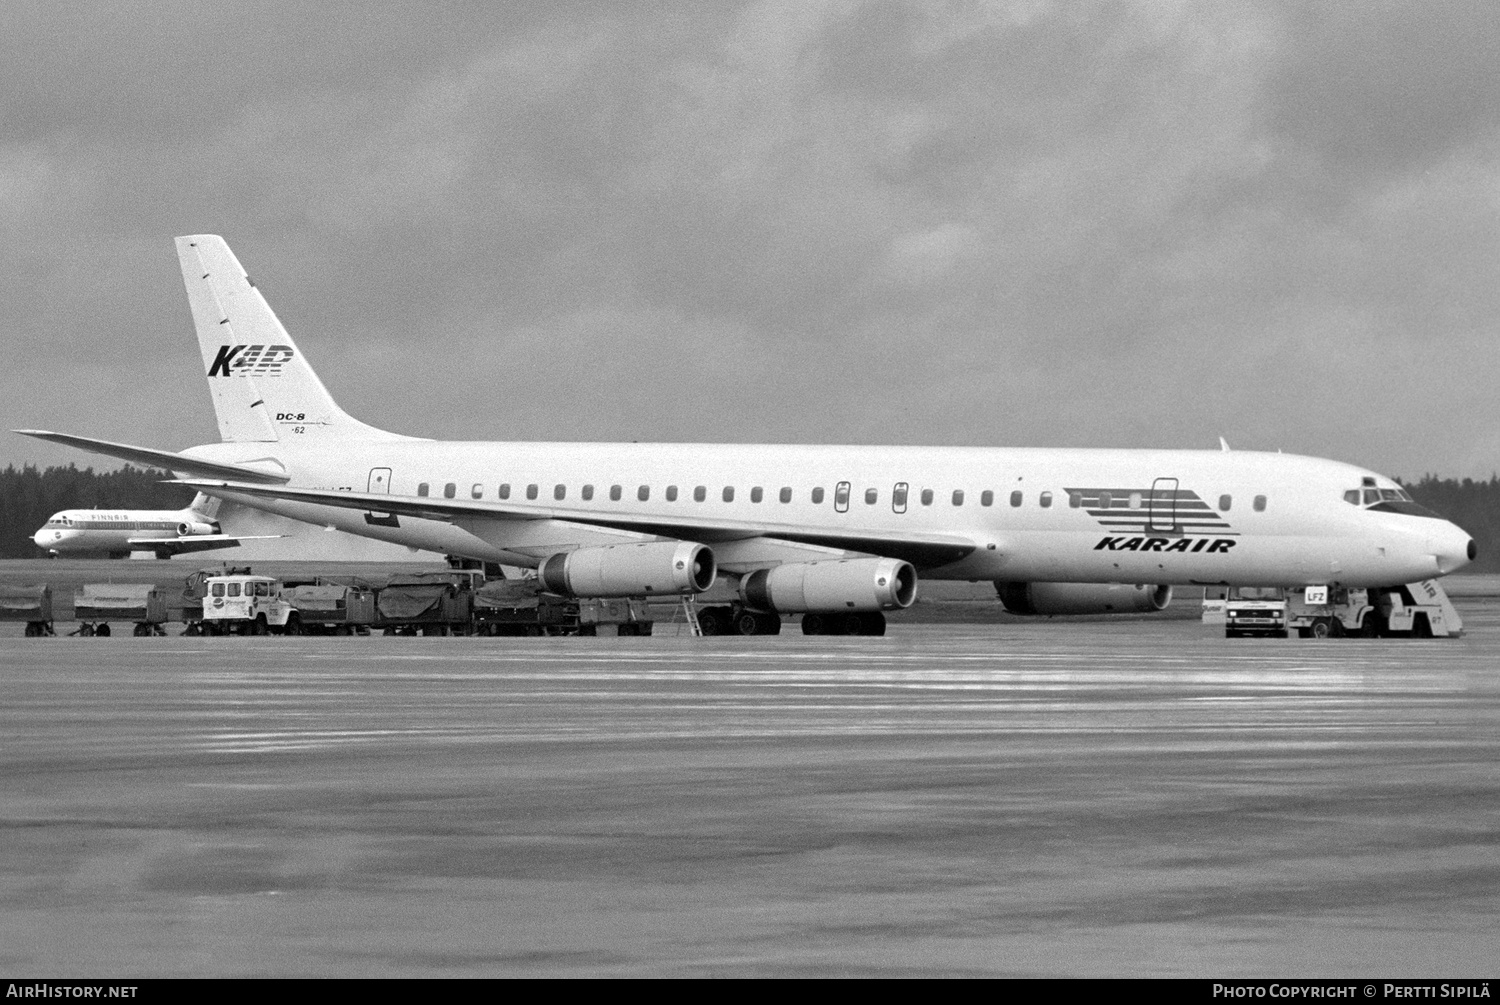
(1034, 798)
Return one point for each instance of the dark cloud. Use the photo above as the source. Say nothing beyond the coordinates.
(1072, 224)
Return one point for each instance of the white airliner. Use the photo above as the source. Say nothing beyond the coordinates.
(839, 533)
(115, 533)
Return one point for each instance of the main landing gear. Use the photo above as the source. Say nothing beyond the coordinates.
(843, 623)
(738, 620)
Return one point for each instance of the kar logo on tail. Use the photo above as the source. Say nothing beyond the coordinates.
(251, 360)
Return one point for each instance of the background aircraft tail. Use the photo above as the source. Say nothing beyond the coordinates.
(262, 386)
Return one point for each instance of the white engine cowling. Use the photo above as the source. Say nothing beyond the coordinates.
(630, 570)
(854, 584)
(194, 529)
(1083, 598)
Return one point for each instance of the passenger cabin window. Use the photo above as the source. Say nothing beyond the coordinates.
(1135, 500)
(1106, 500)
(450, 490)
(817, 495)
(958, 497)
(1075, 500)
(729, 493)
(1046, 500)
(477, 491)
(927, 497)
(700, 493)
(1224, 503)
(841, 497)
(614, 493)
(1259, 504)
(531, 491)
(786, 494)
(559, 491)
(872, 496)
(643, 493)
(986, 498)
(757, 494)
(422, 490)
(504, 492)
(1016, 498)
(671, 493)
(898, 497)
(587, 493)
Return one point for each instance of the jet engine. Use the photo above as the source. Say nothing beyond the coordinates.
(195, 529)
(1083, 598)
(630, 570)
(854, 584)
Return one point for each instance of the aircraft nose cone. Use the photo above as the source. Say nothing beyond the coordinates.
(1453, 549)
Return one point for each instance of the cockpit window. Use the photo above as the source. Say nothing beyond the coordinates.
(1396, 500)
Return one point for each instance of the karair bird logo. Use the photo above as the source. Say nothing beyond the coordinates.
(250, 360)
(1163, 518)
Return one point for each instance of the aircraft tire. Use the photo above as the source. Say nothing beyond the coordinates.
(814, 623)
(748, 623)
(713, 621)
(872, 623)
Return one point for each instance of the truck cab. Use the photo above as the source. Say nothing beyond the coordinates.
(244, 605)
(1255, 610)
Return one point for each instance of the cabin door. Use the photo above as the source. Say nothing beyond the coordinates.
(380, 484)
(1162, 518)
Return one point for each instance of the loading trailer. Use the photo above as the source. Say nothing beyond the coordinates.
(144, 605)
(29, 603)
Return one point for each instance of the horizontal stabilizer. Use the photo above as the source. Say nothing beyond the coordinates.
(158, 458)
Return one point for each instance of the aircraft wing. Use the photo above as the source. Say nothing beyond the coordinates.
(157, 458)
(921, 549)
(195, 542)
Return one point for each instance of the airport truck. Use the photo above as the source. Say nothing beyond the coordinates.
(1255, 611)
(330, 609)
(245, 605)
(31, 604)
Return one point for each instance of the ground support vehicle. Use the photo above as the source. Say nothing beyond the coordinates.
(31, 604)
(520, 607)
(431, 604)
(329, 609)
(1417, 610)
(245, 605)
(1255, 611)
(95, 605)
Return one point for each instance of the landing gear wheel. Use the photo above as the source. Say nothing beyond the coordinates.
(770, 623)
(714, 621)
(748, 623)
(814, 623)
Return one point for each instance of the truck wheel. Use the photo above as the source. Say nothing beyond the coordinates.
(293, 626)
(259, 628)
(1369, 626)
(102, 631)
(1319, 629)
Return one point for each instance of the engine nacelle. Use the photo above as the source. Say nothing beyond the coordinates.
(853, 584)
(195, 529)
(1083, 598)
(630, 570)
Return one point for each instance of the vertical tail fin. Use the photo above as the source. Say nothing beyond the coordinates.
(262, 386)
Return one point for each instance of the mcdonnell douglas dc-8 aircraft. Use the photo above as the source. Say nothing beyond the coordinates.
(115, 533)
(837, 533)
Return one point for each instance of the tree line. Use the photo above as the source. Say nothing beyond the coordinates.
(28, 496)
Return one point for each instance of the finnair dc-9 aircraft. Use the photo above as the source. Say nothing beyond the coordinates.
(837, 533)
(115, 533)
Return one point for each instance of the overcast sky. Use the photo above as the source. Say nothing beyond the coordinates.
(1029, 224)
